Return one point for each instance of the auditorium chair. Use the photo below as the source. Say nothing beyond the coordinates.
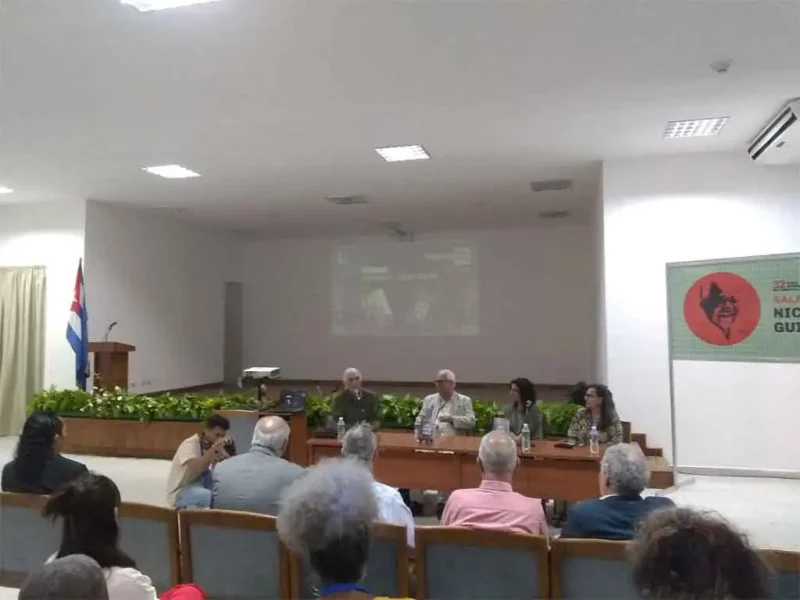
(27, 539)
(233, 555)
(785, 579)
(149, 534)
(454, 563)
(387, 566)
(584, 569)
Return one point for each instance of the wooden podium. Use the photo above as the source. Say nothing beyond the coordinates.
(110, 364)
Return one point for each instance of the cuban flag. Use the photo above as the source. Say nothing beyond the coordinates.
(77, 331)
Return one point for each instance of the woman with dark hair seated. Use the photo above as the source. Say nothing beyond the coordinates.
(681, 553)
(524, 410)
(326, 519)
(88, 508)
(599, 412)
(38, 468)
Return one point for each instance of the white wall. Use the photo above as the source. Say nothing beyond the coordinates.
(696, 207)
(163, 281)
(51, 235)
(537, 316)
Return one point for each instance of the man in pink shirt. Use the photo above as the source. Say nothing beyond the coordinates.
(494, 505)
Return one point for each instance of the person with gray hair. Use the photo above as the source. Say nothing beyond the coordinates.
(326, 518)
(75, 577)
(360, 444)
(623, 477)
(254, 481)
(495, 505)
(355, 404)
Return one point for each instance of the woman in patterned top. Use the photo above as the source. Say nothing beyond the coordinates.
(599, 411)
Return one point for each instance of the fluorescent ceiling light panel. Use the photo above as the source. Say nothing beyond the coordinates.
(694, 128)
(5, 190)
(400, 153)
(171, 171)
(148, 5)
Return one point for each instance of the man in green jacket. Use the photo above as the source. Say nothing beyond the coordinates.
(356, 405)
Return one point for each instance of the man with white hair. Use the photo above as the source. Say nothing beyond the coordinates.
(355, 404)
(360, 444)
(495, 505)
(76, 577)
(255, 480)
(624, 475)
(449, 412)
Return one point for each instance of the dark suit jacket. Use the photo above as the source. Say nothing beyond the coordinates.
(57, 472)
(354, 410)
(612, 518)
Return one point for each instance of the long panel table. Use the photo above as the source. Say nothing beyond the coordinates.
(451, 463)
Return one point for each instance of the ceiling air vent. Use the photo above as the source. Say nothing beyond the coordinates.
(551, 185)
(346, 200)
(554, 214)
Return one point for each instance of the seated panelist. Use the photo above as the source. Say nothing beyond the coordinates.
(450, 411)
(599, 411)
(524, 410)
(355, 404)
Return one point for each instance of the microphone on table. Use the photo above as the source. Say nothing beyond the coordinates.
(108, 331)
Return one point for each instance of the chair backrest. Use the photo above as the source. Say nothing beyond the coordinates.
(242, 424)
(149, 534)
(785, 579)
(27, 539)
(464, 563)
(590, 569)
(233, 555)
(387, 566)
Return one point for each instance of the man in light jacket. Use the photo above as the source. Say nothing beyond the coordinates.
(448, 410)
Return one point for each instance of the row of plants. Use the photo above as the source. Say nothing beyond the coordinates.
(397, 411)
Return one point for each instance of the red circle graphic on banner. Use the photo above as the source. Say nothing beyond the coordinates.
(722, 309)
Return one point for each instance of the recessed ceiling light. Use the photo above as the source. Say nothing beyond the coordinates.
(148, 5)
(171, 171)
(400, 153)
(694, 128)
(5, 190)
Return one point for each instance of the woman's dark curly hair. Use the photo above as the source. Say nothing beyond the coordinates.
(37, 444)
(684, 554)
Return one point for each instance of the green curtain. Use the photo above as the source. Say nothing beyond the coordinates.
(22, 291)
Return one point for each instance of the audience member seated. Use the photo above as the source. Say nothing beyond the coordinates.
(494, 505)
(599, 411)
(255, 480)
(360, 444)
(74, 577)
(88, 508)
(624, 475)
(326, 519)
(38, 468)
(524, 410)
(681, 553)
(355, 404)
(189, 481)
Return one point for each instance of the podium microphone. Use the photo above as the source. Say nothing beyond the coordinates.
(108, 331)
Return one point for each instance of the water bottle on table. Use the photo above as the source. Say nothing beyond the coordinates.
(594, 441)
(340, 429)
(526, 438)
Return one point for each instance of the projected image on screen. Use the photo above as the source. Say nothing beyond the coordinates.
(409, 288)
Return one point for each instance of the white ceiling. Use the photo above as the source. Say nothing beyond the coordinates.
(279, 103)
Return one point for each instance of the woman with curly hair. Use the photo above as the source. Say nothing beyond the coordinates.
(685, 554)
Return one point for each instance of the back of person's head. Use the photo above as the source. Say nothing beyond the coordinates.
(326, 517)
(88, 507)
(527, 391)
(577, 395)
(689, 555)
(36, 444)
(271, 433)
(360, 443)
(624, 470)
(497, 454)
(75, 577)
